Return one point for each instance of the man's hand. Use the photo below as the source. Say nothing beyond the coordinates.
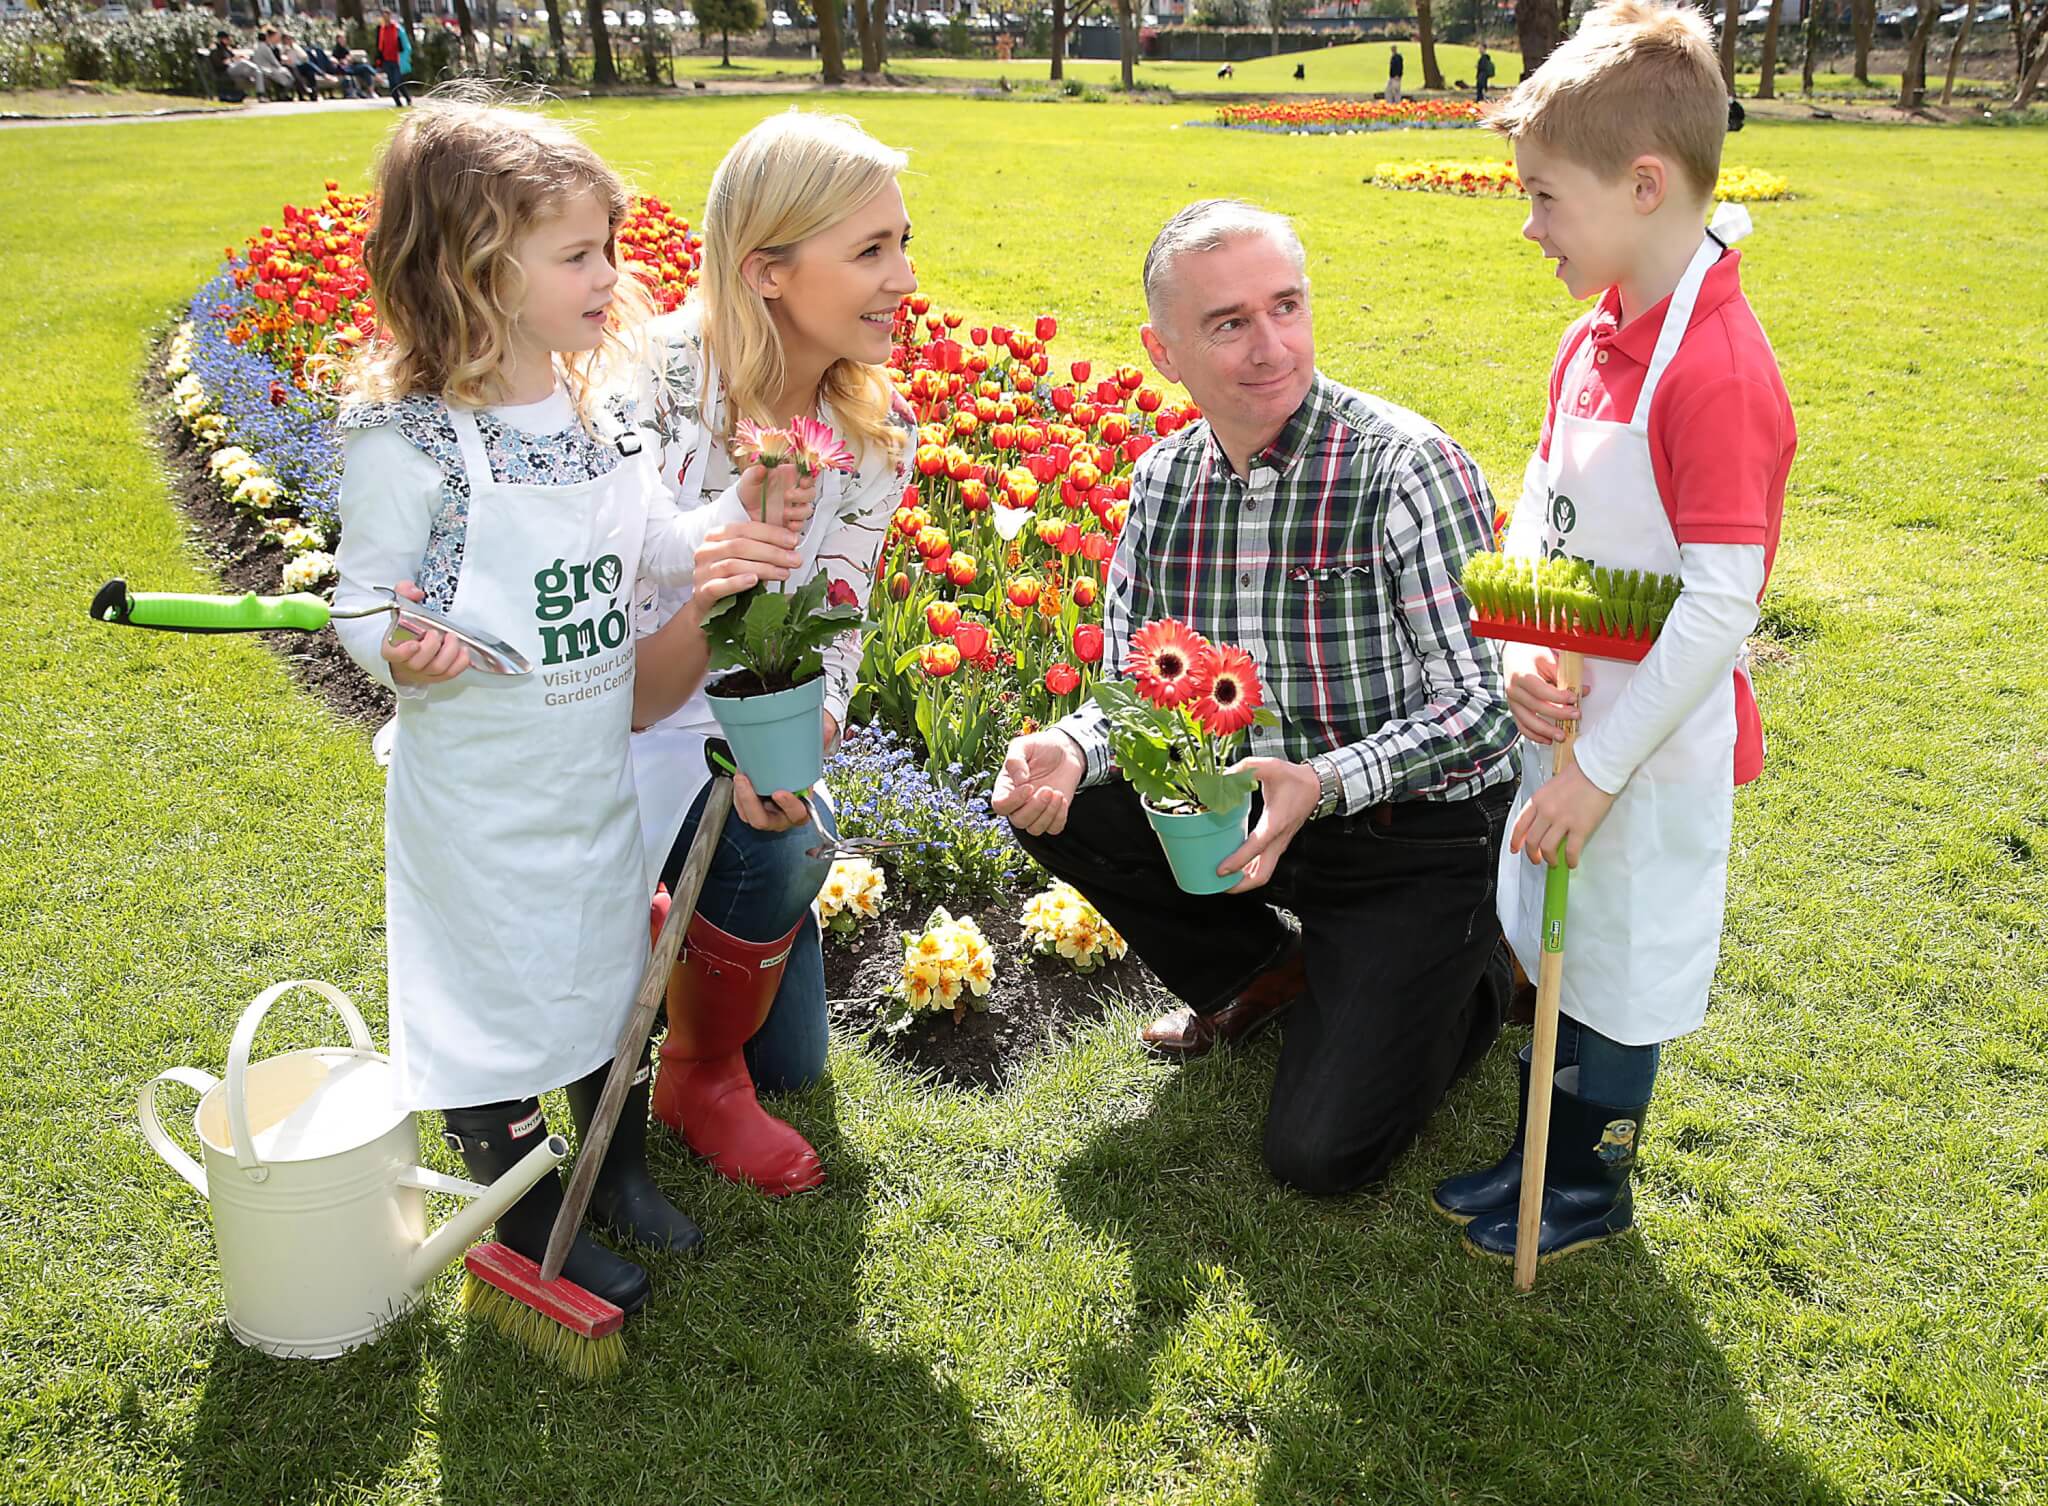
(1288, 793)
(432, 658)
(1540, 705)
(1561, 817)
(1036, 785)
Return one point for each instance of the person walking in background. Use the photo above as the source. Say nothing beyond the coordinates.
(1483, 74)
(1394, 67)
(393, 51)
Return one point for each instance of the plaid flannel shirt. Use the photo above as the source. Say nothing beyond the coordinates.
(1335, 565)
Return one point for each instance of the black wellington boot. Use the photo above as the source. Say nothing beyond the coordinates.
(1586, 1194)
(624, 1199)
(1463, 1198)
(494, 1137)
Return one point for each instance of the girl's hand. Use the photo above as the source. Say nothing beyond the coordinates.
(433, 658)
(735, 556)
(1540, 706)
(798, 494)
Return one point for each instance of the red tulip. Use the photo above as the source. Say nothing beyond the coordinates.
(1080, 370)
(938, 659)
(974, 495)
(1023, 591)
(1063, 678)
(920, 305)
(962, 571)
(1097, 547)
(1084, 589)
(971, 638)
(978, 334)
(1087, 640)
(899, 585)
(1047, 326)
(1148, 400)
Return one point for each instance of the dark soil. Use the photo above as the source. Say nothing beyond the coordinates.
(1034, 999)
(234, 543)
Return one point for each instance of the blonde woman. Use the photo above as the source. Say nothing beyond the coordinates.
(805, 263)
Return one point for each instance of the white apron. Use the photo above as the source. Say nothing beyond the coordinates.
(1644, 930)
(668, 757)
(516, 888)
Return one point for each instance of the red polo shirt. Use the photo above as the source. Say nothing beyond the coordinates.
(1721, 430)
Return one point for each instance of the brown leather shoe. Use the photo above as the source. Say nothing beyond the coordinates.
(1184, 1034)
(1522, 996)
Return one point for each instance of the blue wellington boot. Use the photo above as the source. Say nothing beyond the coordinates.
(1586, 1184)
(1463, 1198)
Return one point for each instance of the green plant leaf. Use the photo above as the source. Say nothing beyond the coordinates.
(1221, 792)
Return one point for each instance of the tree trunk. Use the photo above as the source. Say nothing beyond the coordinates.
(467, 28)
(1767, 86)
(1730, 17)
(1913, 81)
(830, 48)
(409, 20)
(558, 39)
(1059, 40)
(1955, 52)
(1127, 43)
(1813, 38)
(1273, 8)
(2033, 79)
(1863, 16)
(1535, 32)
(1425, 39)
(602, 69)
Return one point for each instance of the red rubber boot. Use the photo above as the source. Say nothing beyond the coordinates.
(718, 996)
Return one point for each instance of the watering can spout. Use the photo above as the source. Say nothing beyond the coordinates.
(466, 1224)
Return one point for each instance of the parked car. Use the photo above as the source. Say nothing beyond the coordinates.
(781, 20)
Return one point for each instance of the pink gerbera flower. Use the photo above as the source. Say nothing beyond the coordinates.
(817, 448)
(757, 444)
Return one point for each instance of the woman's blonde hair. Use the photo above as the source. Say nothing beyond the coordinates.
(458, 185)
(787, 179)
(1638, 76)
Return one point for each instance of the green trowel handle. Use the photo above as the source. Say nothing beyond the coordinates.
(179, 613)
(1556, 886)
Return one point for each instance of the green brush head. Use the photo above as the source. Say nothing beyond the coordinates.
(541, 1336)
(1567, 595)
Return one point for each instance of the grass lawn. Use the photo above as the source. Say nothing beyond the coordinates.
(1355, 68)
(1083, 1288)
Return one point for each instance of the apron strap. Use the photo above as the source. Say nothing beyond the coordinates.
(476, 463)
(1677, 317)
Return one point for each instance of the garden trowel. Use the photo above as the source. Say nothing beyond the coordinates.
(305, 613)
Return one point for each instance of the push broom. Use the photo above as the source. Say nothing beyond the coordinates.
(557, 1320)
(1580, 611)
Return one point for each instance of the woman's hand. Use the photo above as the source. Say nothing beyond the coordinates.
(432, 658)
(797, 495)
(781, 811)
(735, 556)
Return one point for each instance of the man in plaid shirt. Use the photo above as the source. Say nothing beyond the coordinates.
(1323, 530)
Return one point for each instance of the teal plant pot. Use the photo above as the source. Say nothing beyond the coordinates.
(1196, 842)
(778, 738)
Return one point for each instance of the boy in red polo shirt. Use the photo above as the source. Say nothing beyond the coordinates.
(1665, 447)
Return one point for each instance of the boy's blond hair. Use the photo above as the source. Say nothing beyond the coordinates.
(1636, 77)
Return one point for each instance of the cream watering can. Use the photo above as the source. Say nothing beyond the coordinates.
(319, 1207)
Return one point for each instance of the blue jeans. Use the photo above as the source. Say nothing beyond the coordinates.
(760, 885)
(1609, 1072)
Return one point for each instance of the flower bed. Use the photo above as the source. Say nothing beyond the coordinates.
(1328, 117)
(1498, 180)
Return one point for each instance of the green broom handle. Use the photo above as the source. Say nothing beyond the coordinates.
(1543, 1047)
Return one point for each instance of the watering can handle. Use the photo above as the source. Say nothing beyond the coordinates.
(153, 1131)
(238, 1060)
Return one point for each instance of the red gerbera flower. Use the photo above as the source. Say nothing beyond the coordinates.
(1234, 695)
(1170, 661)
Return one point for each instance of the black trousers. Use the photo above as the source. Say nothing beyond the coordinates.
(1408, 977)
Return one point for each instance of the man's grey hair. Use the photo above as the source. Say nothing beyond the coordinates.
(1209, 225)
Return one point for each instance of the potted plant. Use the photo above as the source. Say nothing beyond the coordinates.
(1176, 726)
(767, 642)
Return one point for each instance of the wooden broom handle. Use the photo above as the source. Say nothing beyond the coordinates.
(1543, 1047)
(632, 1048)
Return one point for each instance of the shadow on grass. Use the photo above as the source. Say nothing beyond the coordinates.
(749, 1380)
(1357, 1348)
(287, 1431)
